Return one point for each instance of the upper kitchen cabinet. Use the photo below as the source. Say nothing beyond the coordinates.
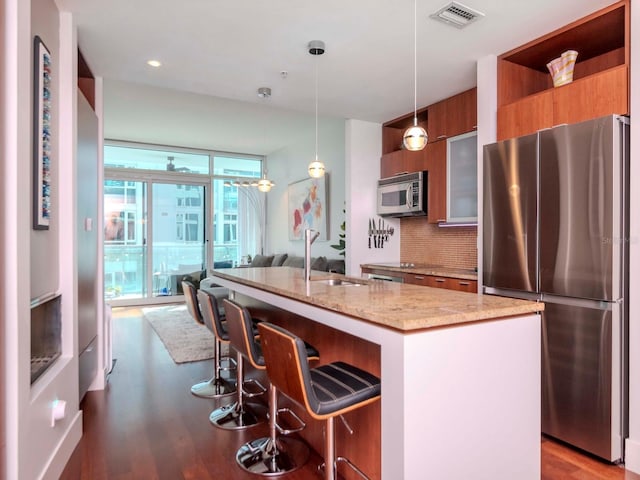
(436, 161)
(453, 116)
(527, 99)
(462, 178)
(447, 118)
(395, 159)
(401, 161)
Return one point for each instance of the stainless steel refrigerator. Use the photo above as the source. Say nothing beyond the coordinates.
(555, 229)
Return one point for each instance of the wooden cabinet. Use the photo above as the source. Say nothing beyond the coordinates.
(452, 116)
(433, 159)
(401, 161)
(462, 285)
(436, 281)
(525, 116)
(595, 96)
(436, 166)
(527, 99)
(447, 118)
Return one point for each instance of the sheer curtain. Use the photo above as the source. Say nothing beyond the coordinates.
(251, 216)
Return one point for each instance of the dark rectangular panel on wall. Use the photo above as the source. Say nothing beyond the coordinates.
(88, 227)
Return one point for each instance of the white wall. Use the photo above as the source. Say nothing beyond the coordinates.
(34, 449)
(289, 165)
(487, 75)
(363, 150)
(632, 453)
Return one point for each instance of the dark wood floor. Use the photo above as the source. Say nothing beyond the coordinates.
(147, 425)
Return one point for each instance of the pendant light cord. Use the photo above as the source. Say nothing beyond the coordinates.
(316, 108)
(415, 63)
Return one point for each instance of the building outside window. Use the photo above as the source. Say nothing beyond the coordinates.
(161, 206)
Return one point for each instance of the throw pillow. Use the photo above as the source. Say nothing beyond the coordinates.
(261, 261)
(336, 266)
(279, 259)
(319, 263)
(293, 261)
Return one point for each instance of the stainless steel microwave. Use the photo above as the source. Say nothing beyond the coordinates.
(404, 195)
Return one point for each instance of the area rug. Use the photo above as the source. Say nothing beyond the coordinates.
(185, 339)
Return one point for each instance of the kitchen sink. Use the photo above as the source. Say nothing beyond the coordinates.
(337, 281)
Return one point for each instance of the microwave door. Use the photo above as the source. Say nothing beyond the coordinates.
(393, 199)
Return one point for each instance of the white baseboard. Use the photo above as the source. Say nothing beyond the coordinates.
(62, 453)
(632, 455)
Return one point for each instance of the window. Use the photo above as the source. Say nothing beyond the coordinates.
(156, 202)
(147, 158)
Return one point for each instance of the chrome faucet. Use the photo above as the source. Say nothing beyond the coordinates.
(309, 237)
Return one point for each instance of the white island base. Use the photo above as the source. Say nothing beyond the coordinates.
(459, 402)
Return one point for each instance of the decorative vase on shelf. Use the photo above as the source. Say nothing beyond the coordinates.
(561, 68)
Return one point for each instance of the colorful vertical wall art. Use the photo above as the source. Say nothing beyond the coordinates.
(41, 135)
(308, 208)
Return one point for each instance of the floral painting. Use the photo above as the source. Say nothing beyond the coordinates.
(308, 208)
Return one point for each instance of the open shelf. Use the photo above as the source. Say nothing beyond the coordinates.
(602, 42)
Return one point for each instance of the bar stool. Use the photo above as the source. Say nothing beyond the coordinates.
(270, 455)
(325, 391)
(216, 323)
(207, 388)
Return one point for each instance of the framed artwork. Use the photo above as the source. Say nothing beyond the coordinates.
(41, 135)
(308, 208)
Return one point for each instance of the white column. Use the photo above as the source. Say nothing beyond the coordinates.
(632, 447)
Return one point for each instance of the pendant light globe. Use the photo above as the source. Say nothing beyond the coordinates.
(264, 184)
(316, 168)
(415, 137)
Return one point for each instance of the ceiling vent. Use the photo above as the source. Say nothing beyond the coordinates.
(457, 15)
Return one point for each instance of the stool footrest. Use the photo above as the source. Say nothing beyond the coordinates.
(229, 361)
(322, 466)
(287, 431)
(256, 388)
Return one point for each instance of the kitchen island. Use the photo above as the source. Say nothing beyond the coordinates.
(460, 372)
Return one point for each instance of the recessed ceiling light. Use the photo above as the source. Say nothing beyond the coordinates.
(154, 63)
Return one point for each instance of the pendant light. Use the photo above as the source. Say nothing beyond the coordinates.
(316, 168)
(415, 137)
(264, 184)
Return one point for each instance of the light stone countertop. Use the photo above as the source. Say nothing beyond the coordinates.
(420, 269)
(396, 305)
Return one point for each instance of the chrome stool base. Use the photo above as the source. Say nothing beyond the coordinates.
(237, 417)
(213, 388)
(262, 457)
(218, 387)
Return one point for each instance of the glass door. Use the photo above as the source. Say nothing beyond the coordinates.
(154, 235)
(178, 236)
(125, 239)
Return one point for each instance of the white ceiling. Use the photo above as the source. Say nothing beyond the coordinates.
(229, 49)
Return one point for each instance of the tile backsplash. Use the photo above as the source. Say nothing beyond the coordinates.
(452, 247)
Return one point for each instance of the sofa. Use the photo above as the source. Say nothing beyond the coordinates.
(322, 264)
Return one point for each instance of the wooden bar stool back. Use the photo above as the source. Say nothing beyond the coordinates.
(207, 388)
(275, 454)
(325, 391)
(216, 322)
(242, 413)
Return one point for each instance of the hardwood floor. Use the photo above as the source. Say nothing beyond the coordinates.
(147, 425)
